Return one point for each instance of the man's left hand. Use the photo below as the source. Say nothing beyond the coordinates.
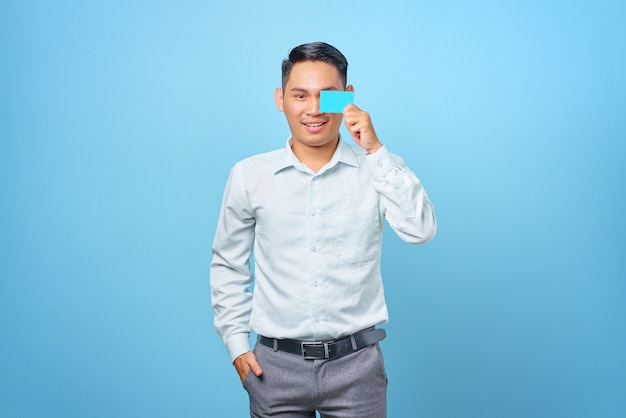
(361, 130)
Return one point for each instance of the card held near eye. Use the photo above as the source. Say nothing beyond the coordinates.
(332, 101)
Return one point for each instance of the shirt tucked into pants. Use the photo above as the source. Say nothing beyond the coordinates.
(316, 240)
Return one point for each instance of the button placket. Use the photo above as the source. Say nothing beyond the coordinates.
(313, 219)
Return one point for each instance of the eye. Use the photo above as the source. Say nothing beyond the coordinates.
(299, 96)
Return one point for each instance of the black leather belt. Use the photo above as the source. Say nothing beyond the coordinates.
(319, 350)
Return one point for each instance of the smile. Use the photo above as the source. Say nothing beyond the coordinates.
(314, 125)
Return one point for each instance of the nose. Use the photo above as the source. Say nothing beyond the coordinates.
(314, 105)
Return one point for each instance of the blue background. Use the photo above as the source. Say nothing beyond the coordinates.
(121, 119)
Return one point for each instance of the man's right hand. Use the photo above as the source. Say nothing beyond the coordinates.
(246, 362)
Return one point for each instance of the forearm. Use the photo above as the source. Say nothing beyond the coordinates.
(232, 304)
(407, 208)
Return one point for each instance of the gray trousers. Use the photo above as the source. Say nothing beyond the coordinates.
(351, 386)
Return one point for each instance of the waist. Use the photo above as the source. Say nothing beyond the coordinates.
(321, 350)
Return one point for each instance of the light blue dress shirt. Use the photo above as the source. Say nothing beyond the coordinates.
(316, 240)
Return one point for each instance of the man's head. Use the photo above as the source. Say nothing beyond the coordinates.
(316, 51)
(310, 69)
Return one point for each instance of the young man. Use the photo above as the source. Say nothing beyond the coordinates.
(312, 214)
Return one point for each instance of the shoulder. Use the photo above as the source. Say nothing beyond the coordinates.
(255, 168)
(258, 161)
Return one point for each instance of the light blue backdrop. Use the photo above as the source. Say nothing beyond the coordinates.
(121, 119)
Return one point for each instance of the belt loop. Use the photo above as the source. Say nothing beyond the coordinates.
(275, 344)
(353, 341)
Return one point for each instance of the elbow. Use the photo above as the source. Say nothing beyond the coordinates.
(425, 232)
(428, 224)
(424, 237)
(430, 234)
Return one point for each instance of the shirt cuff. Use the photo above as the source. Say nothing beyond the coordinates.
(237, 345)
(381, 162)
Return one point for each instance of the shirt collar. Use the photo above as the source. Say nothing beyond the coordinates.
(343, 154)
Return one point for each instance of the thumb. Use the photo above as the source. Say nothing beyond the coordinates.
(246, 362)
(254, 366)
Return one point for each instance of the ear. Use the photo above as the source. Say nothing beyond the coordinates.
(278, 97)
(350, 88)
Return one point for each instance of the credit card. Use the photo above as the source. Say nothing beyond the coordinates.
(332, 101)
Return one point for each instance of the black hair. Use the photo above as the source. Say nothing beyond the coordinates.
(316, 51)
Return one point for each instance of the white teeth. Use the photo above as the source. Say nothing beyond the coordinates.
(313, 125)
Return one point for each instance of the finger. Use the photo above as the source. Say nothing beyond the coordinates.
(242, 372)
(351, 122)
(244, 363)
(254, 366)
(350, 107)
(357, 129)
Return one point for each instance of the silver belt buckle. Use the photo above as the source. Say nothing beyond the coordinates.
(315, 344)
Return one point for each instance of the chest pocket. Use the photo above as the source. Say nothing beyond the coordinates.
(357, 236)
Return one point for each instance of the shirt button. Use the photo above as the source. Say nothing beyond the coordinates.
(379, 163)
(315, 284)
(313, 214)
(313, 249)
(317, 320)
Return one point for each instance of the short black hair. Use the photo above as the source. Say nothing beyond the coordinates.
(316, 51)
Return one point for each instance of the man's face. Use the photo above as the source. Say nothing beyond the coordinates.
(300, 102)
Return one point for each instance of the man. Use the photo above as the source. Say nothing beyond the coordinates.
(312, 214)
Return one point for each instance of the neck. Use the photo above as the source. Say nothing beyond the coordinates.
(314, 157)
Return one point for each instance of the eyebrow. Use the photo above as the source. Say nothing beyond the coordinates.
(300, 89)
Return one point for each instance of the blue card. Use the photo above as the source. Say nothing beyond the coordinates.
(332, 101)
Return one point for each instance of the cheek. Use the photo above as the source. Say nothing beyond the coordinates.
(336, 119)
(293, 110)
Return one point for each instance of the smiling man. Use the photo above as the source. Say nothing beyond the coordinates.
(312, 215)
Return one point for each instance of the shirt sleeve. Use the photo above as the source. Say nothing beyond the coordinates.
(230, 273)
(408, 210)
